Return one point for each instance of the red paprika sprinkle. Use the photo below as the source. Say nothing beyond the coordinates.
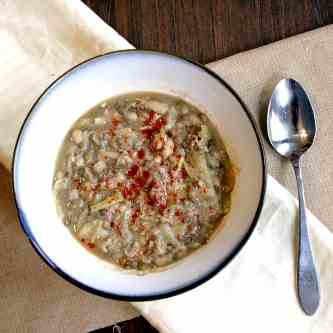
(77, 184)
(141, 154)
(149, 132)
(150, 118)
(178, 212)
(160, 122)
(161, 207)
(115, 122)
(127, 193)
(145, 174)
(135, 216)
(184, 173)
(139, 183)
(133, 171)
(91, 245)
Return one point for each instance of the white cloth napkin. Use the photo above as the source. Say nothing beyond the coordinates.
(255, 293)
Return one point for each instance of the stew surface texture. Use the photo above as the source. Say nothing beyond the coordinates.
(142, 180)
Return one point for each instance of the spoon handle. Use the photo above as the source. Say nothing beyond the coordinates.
(307, 279)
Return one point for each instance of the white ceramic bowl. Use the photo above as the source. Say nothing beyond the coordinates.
(82, 88)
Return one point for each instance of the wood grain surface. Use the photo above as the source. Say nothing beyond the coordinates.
(207, 30)
(204, 31)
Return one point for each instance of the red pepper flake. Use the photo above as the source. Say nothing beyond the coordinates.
(183, 173)
(150, 201)
(127, 192)
(135, 216)
(145, 174)
(146, 249)
(150, 186)
(152, 237)
(139, 183)
(178, 213)
(151, 116)
(161, 207)
(91, 245)
(131, 191)
(141, 154)
(156, 202)
(115, 122)
(133, 170)
(195, 183)
(117, 228)
(149, 132)
(77, 184)
(160, 122)
(151, 147)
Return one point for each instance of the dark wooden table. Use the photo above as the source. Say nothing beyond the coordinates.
(204, 31)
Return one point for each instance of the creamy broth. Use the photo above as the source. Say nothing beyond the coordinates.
(143, 180)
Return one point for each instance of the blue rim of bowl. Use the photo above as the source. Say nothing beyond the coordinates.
(177, 291)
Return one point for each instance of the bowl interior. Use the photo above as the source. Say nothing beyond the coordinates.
(84, 87)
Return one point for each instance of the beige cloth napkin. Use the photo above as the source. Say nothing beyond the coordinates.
(40, 40)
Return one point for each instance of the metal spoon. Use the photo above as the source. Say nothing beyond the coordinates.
(291, 127)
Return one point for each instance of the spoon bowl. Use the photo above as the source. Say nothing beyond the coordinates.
(291, 123)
